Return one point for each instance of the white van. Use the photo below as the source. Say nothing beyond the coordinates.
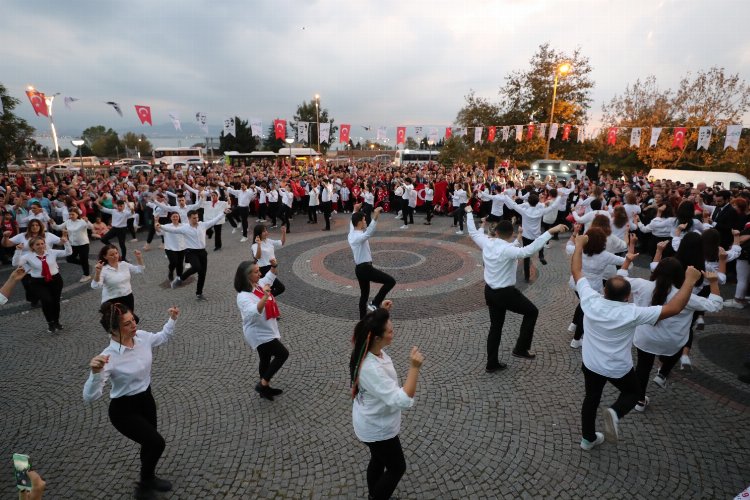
(86, 161)
(562, 169)
(728, 180)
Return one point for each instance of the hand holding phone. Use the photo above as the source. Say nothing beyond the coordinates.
(21, 465)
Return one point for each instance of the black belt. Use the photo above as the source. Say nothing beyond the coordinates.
(364, 264)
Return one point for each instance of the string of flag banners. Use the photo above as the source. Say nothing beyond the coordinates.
(432, 134)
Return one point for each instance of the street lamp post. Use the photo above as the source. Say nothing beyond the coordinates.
(79, 144)
(289, 141)
(563, 69)
(317, 118)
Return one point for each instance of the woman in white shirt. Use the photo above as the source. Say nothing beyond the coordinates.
(378, 399)
(35, 228)
(126, 363)
(45, 282)
(368, 202)
(264, 252)
(429, 194)
(460, 199)
(313, 202)
(77, 228)
(260, 327)
(113, 276)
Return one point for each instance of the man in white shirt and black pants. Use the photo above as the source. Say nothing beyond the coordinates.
(119, 227)
(500, 254)
(359, 236)
(610, 322)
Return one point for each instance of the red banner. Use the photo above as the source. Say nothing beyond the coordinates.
(38, 102)
(612, 136)
(344, 133)
(144, 114)
(279, 127)
(678, 140)
(566, 131)
(491, 134)
(401, 135)
(448, 132)
(530, 132)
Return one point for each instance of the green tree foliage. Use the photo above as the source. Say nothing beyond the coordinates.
(306, 112)
(243, 142)
(103, 142)
(16, 135)
(138, 142)
(710, 98)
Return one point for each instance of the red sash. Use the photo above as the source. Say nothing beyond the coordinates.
(272, 307)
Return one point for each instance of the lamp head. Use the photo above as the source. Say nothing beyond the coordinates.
(564, 68)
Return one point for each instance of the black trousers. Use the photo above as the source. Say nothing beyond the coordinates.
(48, 293)
(499, 301)
(135, 418)
(284, 213)
(121, 233)
(705, 292)
(273, 210)
(277, 287)
(646, 362)
(428, 209)
(243, 213)
(126, 300)
(458, 216)
(272, 356)
(176, 259)
(327, 208)
(216, 228)
(262, 211)
(407, 213)
(367, 274)
(198, 260)
(628, 386)
(386, 467)
(527, 260)
(312, 214)
(80, 256)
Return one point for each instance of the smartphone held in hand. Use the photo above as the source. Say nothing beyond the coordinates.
(22, 465)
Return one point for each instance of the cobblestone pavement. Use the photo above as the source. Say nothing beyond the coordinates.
(513, 434)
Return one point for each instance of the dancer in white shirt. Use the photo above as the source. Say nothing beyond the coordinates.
(174, 247)
(264, 252)
(126, 363)
(113, 276)
(212, 207)
(500, 254)
(77, 228)
(359, 241)
(119, 225)
(378, 399)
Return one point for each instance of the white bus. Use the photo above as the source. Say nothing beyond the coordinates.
(729, 180)
(170, 156)
(414, 157)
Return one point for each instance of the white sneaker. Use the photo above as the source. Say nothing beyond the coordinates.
(572, 328)
(371, 307)
(575, 344)
(84, 279)
(398, 215)
(734, 304)
(588, 445)
(134, 240)
(611, 424)
(234, 230)
(546, 246)
(146, 247)
(641, 406)
(404, 227)
(699, 323)
(175, 282)
(685, 363)
(459, 232)
(661, 380)
(243, 239)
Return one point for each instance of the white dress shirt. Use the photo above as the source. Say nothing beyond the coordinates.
(244, 197)
(211, 210)
(267, 252)
(116, 282)
(359, 241)
(77, 230)
(501, 257)
(376, 410)
(369, 198)
(257, 329)
(119, 218)
(174, 242)
(49, 238)
(596, 268)
(532, 216)
(195, 237)
(610, 326)
(33, 264)
(128, 368)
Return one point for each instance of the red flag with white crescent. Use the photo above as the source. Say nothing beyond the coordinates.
(530, 132)
(401, 135)
(344, 133)
(448, 132)
(144, 114)
(612, 136)
(491, 134)
(38, 102)
(566, 131)
(678, 140)
(279, 127)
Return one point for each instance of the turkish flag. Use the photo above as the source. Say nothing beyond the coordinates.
(530, 132)
(491, 134)
(400, 135)
(612, 136)
(566, 131)
(144, 114)
(448, 132)
(279, 126)
(344, 133)
(38, 102)
(678, 140)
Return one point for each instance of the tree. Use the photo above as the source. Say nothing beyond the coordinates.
(306, 113)
(271, 143)
(103, 142)
(243, 141)
(16, 135)
(137, 142)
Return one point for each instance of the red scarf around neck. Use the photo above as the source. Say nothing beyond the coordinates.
(271, 307)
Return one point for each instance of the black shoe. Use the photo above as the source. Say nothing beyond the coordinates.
(50, 327)
(525, 355)
(746, 364)
(745, 377)
(496, 368)
(199, 296)
(264, 391)
(58, 326)
(275, 392)
(544, 262)
(144, 494)
(217, 249)
(156, 484)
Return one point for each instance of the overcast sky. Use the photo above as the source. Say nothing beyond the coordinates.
(378, 63)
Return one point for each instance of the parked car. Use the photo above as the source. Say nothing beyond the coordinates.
(126, 162)
(139, 168)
